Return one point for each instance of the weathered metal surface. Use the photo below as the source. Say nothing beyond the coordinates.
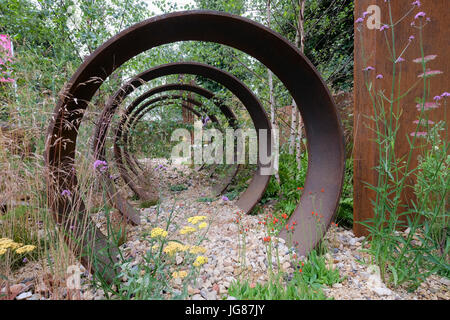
(182, 87)
(250, 197)
(143, 190)
(373, 42)
(322, 124)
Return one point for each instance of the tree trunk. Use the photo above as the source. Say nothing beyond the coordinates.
(271, 95)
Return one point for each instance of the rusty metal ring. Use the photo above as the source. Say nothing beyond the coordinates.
(325, 144)
(142, 192)
(255, 190)
(225, 110)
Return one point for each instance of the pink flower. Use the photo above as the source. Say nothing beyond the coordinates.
(411, 38)
(380, 76)
(417, 121)
(426, 58)
(430, 73)
(385, 26)
(369, 68)
(418, 134)
(416, 3)
(421, 14)
(427, 106)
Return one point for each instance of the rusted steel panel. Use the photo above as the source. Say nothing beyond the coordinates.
(435, 41)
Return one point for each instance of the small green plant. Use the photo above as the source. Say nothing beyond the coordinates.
(178, 187)
(205, 199)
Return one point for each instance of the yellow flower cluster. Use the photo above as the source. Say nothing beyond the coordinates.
(187, 230)
(6, 243)
(196, 219)
(201, 260)
(197, 250)
(158, 232)
(179, 274)
(26, 249)
(173, 247)
(202, 225)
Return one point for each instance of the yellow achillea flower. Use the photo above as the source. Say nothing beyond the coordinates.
(196, 219)
(202, 225)
(201, 260)
(158, 232)
(26, 249)
(2, 251)
(6, 243)
(173, 247)
(179, 274)
(187, 230)
(197, 250)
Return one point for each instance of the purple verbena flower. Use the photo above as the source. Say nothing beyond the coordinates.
(66, 193)
(380, 76)
(416, 3)
(399, 59)
(429, 73)
(418, 134)
(385, 26)
(369, 68)
(445, 94)
(411, 38)
(427, 106)
(225, 198)
(425, 59)
(102, 165)
(421, 14)
(437, 98)
(359, 20)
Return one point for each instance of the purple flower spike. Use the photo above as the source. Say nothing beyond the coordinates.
(25, 260)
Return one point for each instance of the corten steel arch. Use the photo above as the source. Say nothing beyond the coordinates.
(176, 86)
(132, 116)
(325, 142)
(119, 154)
(254, 192)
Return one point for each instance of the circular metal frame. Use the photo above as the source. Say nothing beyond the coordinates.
(132, 119)
(325, 144)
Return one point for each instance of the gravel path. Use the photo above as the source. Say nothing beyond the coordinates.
(361, 281)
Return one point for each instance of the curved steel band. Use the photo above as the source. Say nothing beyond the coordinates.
(326, 153)
(133, 118)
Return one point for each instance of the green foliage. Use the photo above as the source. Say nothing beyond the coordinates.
(205, 199)
(178, 187)
(317, 271)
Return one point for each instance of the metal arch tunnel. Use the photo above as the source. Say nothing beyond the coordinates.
(131, 120)
(254, 192)
(325, 142)
(120, 153)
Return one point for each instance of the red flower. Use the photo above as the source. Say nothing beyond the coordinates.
(322, 190)
(266, 239)
(299, 188)
(287, 227)
(300, 270)
(312, 213)
(292, 228)
(275, 220)
(294, 223)
(284, 216)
